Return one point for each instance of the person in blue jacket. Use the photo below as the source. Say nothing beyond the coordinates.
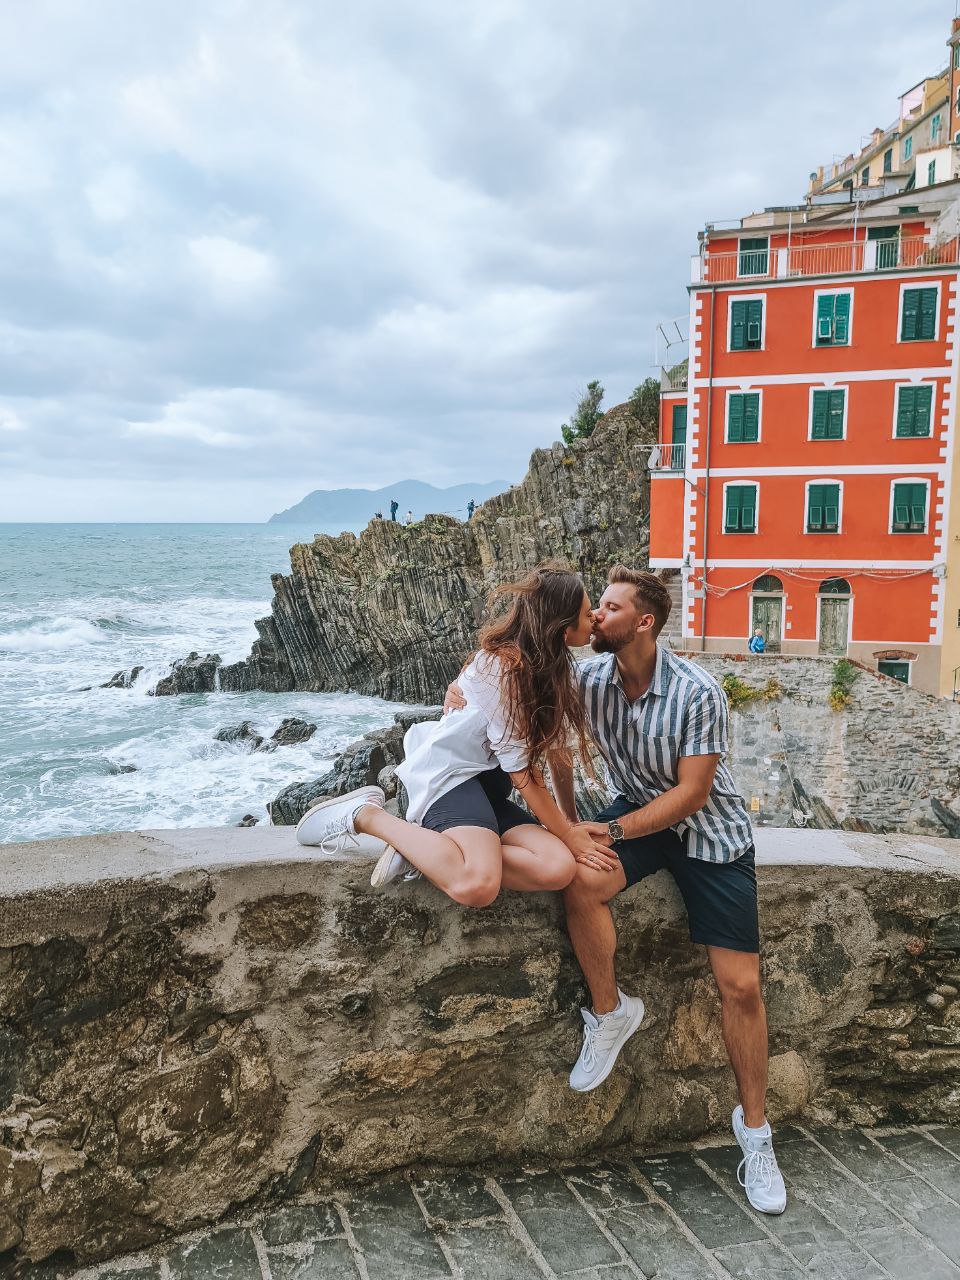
(757, 642)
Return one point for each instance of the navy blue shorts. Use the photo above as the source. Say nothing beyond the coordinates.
(483, 801)
(720, 897)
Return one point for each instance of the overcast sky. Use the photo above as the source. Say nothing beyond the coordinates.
(251, 248)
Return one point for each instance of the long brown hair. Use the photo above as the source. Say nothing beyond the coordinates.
(540, 695)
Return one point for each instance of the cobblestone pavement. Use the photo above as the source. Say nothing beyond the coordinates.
(863, 1205)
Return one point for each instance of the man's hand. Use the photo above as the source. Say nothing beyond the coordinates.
(454, 701)
(589, 843)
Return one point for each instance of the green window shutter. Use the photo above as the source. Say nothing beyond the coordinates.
(751, 416)
(919, 322)
(826, 315)
(823, 508)
(738, 326)
(679, 425)
(753, 257)
(841, 319)
(906, 411)
(835, 415)
(821, 402)
(909, 323)
(914, 411)
(754, 323)
(928, 314)
(924, 411)
(740, 515)
(735, 421)
(909, 508)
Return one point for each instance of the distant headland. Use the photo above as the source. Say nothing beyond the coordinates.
(357, 506)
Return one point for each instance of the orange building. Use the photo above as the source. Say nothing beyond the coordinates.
(803, 481)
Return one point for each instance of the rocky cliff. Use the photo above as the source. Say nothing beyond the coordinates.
(394, 611)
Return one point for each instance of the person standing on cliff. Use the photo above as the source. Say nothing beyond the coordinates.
(394, 508)
(660, 723)
(471, 507)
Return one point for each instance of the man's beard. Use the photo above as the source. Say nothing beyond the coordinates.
(611, 643)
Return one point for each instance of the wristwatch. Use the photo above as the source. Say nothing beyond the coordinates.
(614, 830)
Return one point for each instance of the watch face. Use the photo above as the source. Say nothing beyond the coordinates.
(615, 829)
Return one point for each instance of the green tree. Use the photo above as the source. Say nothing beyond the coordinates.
(586, 415)
(645, 403)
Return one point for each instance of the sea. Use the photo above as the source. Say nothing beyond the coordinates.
(78, 602)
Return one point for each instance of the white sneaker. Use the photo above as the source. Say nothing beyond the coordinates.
(759, 1173)
(329, 824)
(392, 866)
(603, 1038)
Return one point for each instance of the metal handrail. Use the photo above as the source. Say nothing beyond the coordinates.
(668, 457)
(844, 258)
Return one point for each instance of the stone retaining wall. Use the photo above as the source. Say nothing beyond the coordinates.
(197, 1020)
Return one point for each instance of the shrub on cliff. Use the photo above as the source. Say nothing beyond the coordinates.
(645, 403)
(586, 415)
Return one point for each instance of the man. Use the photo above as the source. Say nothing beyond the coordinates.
(394, 508)
(660, 722)
(757, 643)
(471, 507)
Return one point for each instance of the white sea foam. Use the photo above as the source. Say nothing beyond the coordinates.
(55, 634)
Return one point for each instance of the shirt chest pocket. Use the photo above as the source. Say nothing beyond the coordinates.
(662, 751)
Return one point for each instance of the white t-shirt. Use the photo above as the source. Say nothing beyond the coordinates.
(440, 754)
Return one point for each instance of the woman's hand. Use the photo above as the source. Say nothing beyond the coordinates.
(583, 839)
(454, 701)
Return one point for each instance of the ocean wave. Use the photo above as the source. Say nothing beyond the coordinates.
(52, 634)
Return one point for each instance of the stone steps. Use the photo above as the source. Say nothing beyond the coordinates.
(861, 1204)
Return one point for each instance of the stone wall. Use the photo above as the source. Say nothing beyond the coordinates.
(195, 1021)
(395, 611)
(880, 763)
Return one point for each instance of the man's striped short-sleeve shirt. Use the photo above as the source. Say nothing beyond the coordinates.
(683, 712)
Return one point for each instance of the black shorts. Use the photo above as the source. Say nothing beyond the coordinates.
(720, 897)
(483, 801)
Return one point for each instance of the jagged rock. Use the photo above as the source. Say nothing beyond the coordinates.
(394, 612)
(360, 765)
(191, 674)
(245, 731)
(248, 820)
(289, 733)
(949, 820)
(123, 768)
(122, 680)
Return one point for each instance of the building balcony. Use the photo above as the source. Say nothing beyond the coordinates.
(668, 457)
(847, 258)
(675, 378)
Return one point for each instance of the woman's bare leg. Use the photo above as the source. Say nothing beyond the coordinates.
(534, 860)
(465, 862)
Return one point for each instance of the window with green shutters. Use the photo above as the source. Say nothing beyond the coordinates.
(918, 317)
(743, 417)
(833, 320)
(678, 426)
(895, 670)
(827, 415)
(907, 148)
(914, 411)
(740, 514)
(823, 508)
(931, 173)
(754, 256)
(909, 508)
(746, 325)
(888, 161)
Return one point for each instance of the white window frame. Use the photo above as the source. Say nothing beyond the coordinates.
(740, 484)
(742, 391)
(753, 275)
(767, 595)
(831, 293)
(898, 387)
(910, 533)
(916, 284)
(832, 595)
(747, 297)
(823, 533)
(842, 386)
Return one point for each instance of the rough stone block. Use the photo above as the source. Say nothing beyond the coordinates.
(300, 1223)
(393, 1235)
(225, 1255)
(559, 1226)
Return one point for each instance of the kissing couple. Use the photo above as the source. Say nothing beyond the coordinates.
(659, 724)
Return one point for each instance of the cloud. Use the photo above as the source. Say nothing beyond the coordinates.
(272, 246)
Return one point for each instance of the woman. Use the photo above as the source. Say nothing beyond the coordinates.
(462, 831)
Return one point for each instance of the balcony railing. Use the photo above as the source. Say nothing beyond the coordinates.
(826, 259)
(668, 457)
(675, 378)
